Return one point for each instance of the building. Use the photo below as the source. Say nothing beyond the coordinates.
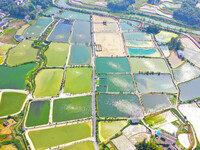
(19, 38)
(6, 123)
(180, 54)
(135, 121)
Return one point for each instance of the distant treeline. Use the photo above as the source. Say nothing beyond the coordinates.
(119, 5)
(20, 11)
(188, 13)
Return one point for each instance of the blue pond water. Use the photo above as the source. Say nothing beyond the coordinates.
(133, 51)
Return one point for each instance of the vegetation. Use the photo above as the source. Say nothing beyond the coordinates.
(119, 5)
(16, 142)
(148, 145)
(153, 29)
(175, 44)
(155, 120)
(188, 13)
(153, 1)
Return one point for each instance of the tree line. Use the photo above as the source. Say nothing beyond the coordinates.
(119, 5)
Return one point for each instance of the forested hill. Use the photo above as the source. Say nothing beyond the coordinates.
(119, 5)
(22, 10)
(188, 13)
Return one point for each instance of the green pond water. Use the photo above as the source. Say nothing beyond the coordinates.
(186, 72)
(154, 103)
(80, 55)
(126, 27)
(155, 83)
(36, 29)
(190, 90)
(81, 33)
(52, 10)
(74, 15)
(61, 32)
(142, 52)
(112, 65)
(137, 36)
(102, 89)
(38, 113)
(118, 83)
(14, 77)
(119, 105)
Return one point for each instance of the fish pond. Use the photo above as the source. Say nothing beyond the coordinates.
(119, 105)
(61, 32)
(14, 77)
(38, 113)
(153, 103)
(127, 27)
(73, 108)
(140, 44)
(81, 33)
(52, 11)
(74, 15)
(155, 83)
(151, 52)
(137, 36)
(112, 65)
(80, 55)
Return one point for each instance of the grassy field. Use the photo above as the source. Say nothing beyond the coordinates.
(57, 54)
(148, 65)
(1, 60)
(46, 138)
(21, 54)
(11, 103)
(81, 146)
(4, 48)
(48, 82)
(155, 120)
(38, 113)
(21, 30)
(165, 36)
(108, 129)
(73, 108)
(78, 80)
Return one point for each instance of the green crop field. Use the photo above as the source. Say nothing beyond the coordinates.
(73, 108)
(38, 113)
(21, 54)
(46, 138)
(81, 146)
(4, 48)
(48, 82)
(11, 103)
(148, 65)
(155, 120)
(57, 54)
(108, 129)
(78, 80)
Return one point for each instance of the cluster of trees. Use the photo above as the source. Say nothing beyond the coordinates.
(188, 13)
(153, 2)
(175, 44)
(16, 142)
(119, 5)
(21, 11)
(153, 29)
(148, 145)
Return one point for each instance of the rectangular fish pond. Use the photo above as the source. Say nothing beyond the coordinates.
(119, 105)
(61, 32)
(74, 15)
(155, 83)
(151, 52)
(137, 36)
(127, 27)
(140, 44)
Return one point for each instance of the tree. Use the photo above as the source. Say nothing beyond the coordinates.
(150, 145)
(153, 29)
(175, 44)
(119, 5)
(32, 16)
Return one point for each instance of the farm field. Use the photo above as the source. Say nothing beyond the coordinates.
(8, 147)
(123, 143)
(165, 50)
(48, 82)
(153, 103)
(80, 55)
(155, 83)
(112, 65)
(156, 65)
(73, 108)
(165, 36)
(108, 129)
(57, 54)
(37, 29)
(118, 82)
(2, 60)
(109, 27)
(16, 99)
(101, 19)
(46, 138)
(174, 60)
(190, 90)
(111, 44)
(38, 113)
(14, 77)
(23, 53)
(186, 72)
(4, 48)
(137, 36)
(192, 55)
(74, 15)
(81, 146)
(78, 80)
(119, 105)
(140, 44)
(187, 43)
(61, 32)
(81, 35)
(143, 52)
(22, 29)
